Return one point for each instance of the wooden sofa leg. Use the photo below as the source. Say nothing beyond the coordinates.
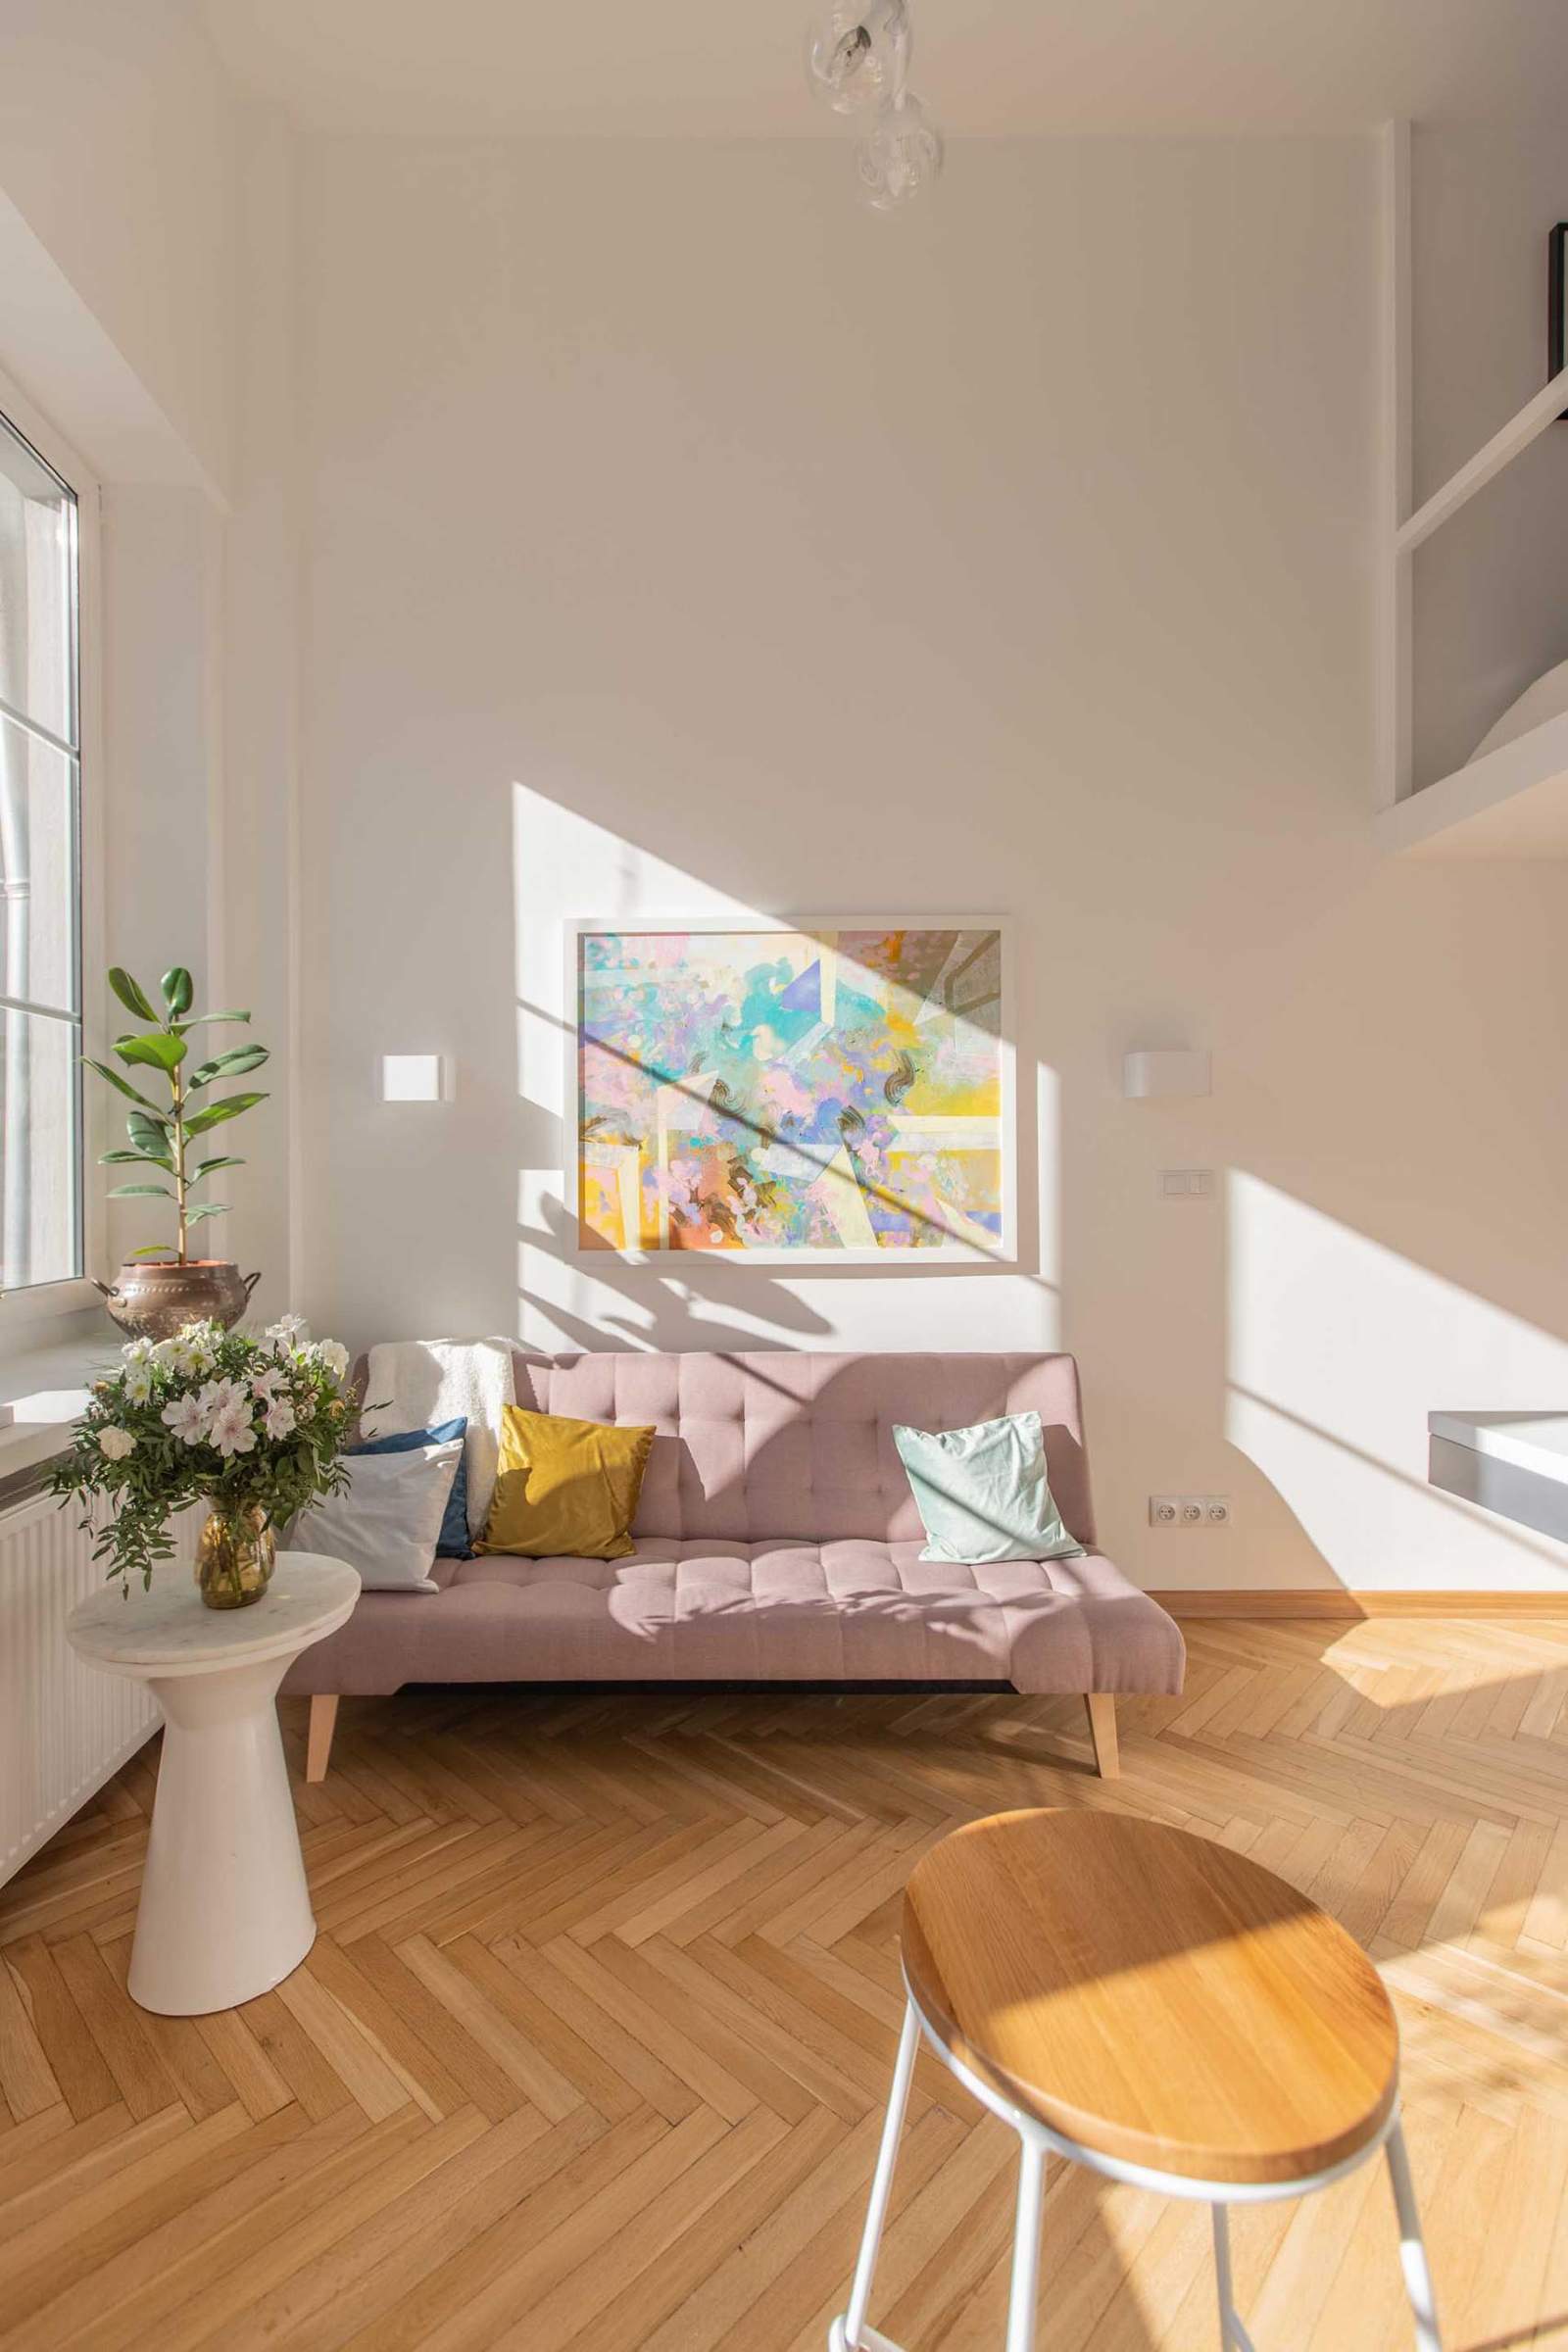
(1102, 1707)
(324, 1722)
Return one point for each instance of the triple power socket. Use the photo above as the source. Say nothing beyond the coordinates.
(1188, 1510)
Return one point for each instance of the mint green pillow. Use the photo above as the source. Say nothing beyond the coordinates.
(982, 1493)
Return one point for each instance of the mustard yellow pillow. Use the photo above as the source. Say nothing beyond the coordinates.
(565, 1487)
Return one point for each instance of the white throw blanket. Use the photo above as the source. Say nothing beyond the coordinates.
(418, 1383)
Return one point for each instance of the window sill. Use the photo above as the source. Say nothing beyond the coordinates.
(45, 1388)
(23, 1311)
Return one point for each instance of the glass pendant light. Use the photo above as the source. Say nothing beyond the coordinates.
(856, 62)
(900, 156)
(856, 54)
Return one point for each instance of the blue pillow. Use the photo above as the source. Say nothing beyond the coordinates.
(452, 1542)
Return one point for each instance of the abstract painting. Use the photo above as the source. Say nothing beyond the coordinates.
(824, 1091)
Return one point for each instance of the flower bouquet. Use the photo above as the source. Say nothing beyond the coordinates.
(254, 1426)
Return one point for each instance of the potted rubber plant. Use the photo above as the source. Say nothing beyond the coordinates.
(162, 1287)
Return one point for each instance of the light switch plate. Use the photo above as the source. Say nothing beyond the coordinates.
(1186, 1184)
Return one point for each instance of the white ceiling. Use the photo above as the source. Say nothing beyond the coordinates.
(732, 68)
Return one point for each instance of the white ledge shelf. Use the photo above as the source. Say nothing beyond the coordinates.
(1512, 804)
(1513, 1463)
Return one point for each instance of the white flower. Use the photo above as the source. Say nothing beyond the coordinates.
(138, 1351)
(333, 1356)
(201, 1343)
(224, 1395)
(284, 1333)
(138, 1382)
(187, 1418)
(281, 1418)
(114, 1445)
(231, 1431)
(183, 1355)
(263, 1383)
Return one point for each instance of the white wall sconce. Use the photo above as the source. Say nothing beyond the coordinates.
(417, 1078)
(1146, 1075)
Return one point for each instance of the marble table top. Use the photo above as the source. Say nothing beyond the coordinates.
(169, 1629)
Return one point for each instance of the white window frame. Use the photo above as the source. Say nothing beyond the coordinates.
(26, 1316)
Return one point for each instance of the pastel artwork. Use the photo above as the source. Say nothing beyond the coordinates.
(783, 1091)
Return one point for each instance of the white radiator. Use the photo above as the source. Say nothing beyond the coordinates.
(64, 1726)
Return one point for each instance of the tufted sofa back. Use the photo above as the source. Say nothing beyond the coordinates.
(784, 1444)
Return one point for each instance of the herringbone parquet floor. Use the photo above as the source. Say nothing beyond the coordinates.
(591, 2051)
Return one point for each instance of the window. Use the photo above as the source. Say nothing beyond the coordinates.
(40, 872)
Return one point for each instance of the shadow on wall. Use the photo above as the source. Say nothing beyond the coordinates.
(671, 1311)
(670, 1299)
(567, 864)
(1336, 1349)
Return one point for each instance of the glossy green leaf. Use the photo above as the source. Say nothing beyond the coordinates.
(179, 988)
(148, 1134)
(136, 1160)
(120, 1085)
(206, 1209)
(155, 1250)
(197, 1018)
(132, 1192)
(134, 997)
(158, 1051)
(210, 1167)
(231, 1064)
(230, 1107)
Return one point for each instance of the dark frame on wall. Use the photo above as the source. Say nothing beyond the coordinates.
(1557, 305)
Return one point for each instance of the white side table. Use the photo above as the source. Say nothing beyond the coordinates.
(224, 1912)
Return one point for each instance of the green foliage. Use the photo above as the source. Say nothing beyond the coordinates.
(208, 1414)
(162, 1051)
(231, 1064)
(227, 1106)
(133, 998)
(114, 1079)
(158, 1137)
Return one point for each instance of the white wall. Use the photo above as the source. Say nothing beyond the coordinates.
(149, 316)
(680, 538)
(118, 133)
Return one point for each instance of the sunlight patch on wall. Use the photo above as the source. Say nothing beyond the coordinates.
(1338, 1348)
(565, 867)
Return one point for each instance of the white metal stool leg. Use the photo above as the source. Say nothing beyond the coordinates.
(850, 2334)
(1233, 2336)
(1412, 2246)
(1026, 2247)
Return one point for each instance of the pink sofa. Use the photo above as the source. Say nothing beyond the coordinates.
(777, 1541)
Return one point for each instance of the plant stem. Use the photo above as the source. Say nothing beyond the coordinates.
(177, 1080)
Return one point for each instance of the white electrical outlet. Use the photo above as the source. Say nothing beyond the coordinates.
(1188, 1510)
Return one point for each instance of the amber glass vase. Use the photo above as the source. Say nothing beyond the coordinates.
(235, 1557)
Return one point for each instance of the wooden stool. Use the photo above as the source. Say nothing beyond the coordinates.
(1152, 2006)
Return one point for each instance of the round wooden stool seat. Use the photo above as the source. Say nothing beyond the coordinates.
(1150, 1996)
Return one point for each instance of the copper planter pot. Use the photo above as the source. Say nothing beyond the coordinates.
(154, 1300)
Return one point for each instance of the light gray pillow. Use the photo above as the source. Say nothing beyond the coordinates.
(390, 1522)
(982, 1493)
